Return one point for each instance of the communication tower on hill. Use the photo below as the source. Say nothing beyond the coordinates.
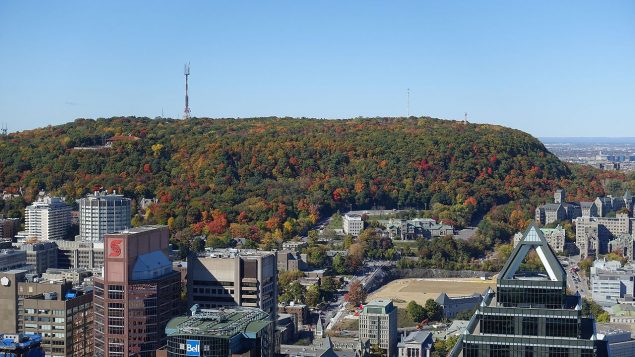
(186, 72)
(3, 131)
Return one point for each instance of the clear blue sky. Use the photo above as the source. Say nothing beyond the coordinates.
(552, 68)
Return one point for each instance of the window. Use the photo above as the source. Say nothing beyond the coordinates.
(530, 326)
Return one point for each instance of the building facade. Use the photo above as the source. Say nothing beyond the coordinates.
(230, 277)
(12, 259)
(611, 282)
(236, 331)
(352, 224)
(457, 304)
(80, 255)
(555, 236)
(40, 255)
(63, 317)
(48, 218)
(593, 234)
(137, 294)
(415, 344)
(530, 313)
(101, 213)
(9, 227)
(378, 326)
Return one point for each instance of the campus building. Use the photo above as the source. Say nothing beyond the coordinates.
(530, 313)
(101, 213)
(229, 277)
(611, 282)
(378, 326)
(137, 294)
(236, 331)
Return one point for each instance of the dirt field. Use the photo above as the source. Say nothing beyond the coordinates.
(402, 291)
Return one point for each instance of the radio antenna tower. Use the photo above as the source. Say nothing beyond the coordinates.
(186, 72)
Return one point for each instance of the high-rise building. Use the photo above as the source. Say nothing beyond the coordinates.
(236, 331)
(530, 314)
(63, 316)
(101, 213)
(137, 294)
(378, 326)
(48, 218)
(229, 277)
(59, 312)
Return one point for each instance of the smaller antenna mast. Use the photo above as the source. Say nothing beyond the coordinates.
(466, 116)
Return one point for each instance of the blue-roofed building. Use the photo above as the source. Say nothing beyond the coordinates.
(20, 345)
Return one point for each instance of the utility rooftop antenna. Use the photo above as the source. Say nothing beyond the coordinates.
(186, 72)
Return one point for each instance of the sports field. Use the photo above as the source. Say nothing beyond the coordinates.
(402, 291)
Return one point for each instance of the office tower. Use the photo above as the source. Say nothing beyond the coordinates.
(378, 326)
(48, 218)
(101, 213)
(229, 277)
(62, 315)
(530, 314)
(20, 345)
(236, 331)
(137, 294)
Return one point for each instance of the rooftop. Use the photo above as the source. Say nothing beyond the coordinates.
(219, 322)
(233, 252)
(9, 342)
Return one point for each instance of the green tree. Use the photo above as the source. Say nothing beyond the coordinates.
(434, 311)
(416, 312)
(312, 297)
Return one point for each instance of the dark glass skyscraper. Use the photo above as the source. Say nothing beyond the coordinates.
(530, 314)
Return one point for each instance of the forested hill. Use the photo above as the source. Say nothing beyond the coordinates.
(274, 177)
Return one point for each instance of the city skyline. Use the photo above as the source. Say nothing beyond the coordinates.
(548, 69)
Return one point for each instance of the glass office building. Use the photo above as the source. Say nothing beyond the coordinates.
(530, 313)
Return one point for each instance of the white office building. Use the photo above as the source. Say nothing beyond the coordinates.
(48, 218)
(352, 224)
(101, 213)
(610, 282)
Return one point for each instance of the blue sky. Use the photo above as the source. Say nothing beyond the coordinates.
(552, 68)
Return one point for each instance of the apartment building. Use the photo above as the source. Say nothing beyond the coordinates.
(48, 218)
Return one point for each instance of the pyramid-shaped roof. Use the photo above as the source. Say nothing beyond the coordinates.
(533, 238)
